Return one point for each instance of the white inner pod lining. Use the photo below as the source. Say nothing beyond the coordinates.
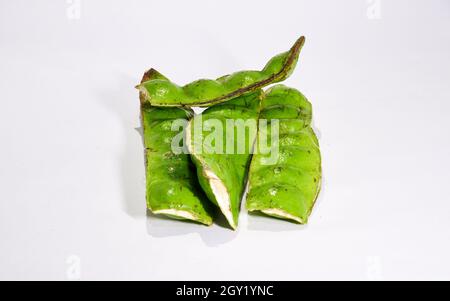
(218, 188)
(221, 194)
(282, 214)
(178, 213)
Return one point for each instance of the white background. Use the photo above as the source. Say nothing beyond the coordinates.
(72, 197)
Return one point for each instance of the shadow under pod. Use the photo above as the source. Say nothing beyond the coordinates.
(160, 226)
(122, 100)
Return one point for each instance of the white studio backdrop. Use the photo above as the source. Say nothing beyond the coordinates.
(72, 194)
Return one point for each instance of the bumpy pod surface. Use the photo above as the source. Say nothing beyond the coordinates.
(172, 188)
(288, 186)
(223, 175)
(206, 92)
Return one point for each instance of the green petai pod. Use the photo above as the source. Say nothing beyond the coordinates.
(172, 188)
(220, 141)
(206, 92)
(285, 185)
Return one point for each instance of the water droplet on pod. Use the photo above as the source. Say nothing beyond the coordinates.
(273, 191)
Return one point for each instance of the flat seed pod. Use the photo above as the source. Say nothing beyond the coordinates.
(172, 188)
(223, 175)
(288, 186)
(207, 92)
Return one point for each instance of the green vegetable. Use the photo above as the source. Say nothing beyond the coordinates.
(172, 185)
(222, 174)
(206, 92)
(288, 187)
